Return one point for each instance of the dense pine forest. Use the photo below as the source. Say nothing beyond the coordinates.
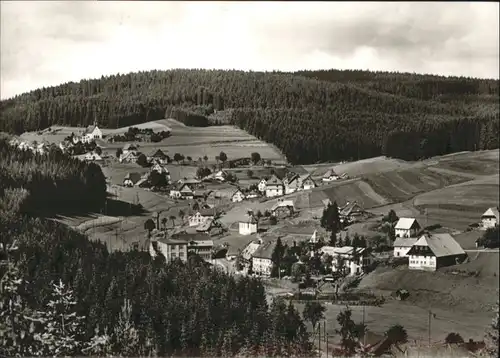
(61, 294)
(310, 115)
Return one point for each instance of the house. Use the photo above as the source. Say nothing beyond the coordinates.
(189, 181)
(198, 243)
(283, 207)
(182, 191)
(92, 156)
(262, 263)
(158, 156)
(171, 248)
(129, 147)
(350, 212)
(209, 226)
(355, 259)
(248, 227)
(262, 185)
(238, 196)
(330, 175)
(91, 133)
(160, 169)
(221, 175)
(314, 237)
(407, 227)
(490, 218)
(291, 183)
(250, 248)
(129, 156)
(402, 245)
(201, 216)
(306, 182)
(432, 251)
(252, 194)
(274, 187)
(131, 179)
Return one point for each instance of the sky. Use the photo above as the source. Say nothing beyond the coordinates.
(49, 43)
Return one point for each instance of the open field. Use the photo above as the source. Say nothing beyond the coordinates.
(441, 289)
(413, 318)
(459, 205)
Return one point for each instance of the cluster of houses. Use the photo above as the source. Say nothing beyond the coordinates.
(35, 147)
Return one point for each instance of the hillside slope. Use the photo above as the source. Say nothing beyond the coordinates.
(311, 117)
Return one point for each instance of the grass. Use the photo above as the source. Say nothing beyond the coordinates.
(460, 205)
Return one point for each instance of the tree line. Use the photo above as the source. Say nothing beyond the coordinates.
(310, 115)
(51, 183)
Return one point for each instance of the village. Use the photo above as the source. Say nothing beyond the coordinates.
(252, 217)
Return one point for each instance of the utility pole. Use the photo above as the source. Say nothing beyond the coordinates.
(326, 345)
(429, 328)
(319, 339)
(364, 329)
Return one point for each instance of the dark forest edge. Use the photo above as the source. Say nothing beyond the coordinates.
(311, 116)
(124, 303)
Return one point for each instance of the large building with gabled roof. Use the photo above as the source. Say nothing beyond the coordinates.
(432, 251)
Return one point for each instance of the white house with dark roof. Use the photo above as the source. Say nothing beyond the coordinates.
(355, 258)
(237, 196)
(201, 216)
(407, 227)
(490, 218)
(330, 175)
(274, 187)
(91, 133)
(249, 226)
(432, 251)
(262, 263)
(402, 245)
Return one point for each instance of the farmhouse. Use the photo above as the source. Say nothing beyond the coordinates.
(221, 175)
(407, 227)
(274, 187)
(314, 237)
(248, 227)
(171, 248)
(131, 179)
(262, 185)
(251, 247)
(490, 218)
(157, 156)
(182, 191)
(129, 156)
(283, 208)
(402, 245)
(261, 259)
(237, 196)
(160, 169)
(306, 182)
(355, 259)
(189, 181)
(432, 251)
(291, 183)
(351, 212)
(91, 133)
(330, 175)
(201, 216)
(209, 226)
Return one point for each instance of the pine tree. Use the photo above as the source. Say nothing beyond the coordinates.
(62, 327)
(125, 337)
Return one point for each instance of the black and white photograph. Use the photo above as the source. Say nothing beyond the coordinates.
(249, 179)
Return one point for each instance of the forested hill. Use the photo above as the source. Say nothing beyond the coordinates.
(310, 115)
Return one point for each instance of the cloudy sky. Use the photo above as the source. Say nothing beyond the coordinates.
(47, 43)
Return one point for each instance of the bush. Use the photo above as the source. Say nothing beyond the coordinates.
(454, 338)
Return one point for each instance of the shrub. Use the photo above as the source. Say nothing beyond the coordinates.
(453, 338)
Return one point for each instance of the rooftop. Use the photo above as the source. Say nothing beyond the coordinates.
(404, 242)
(492, 212)
(265, 250)
(441, 244)
(405, 223)
(274, 180)
(330, 172)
